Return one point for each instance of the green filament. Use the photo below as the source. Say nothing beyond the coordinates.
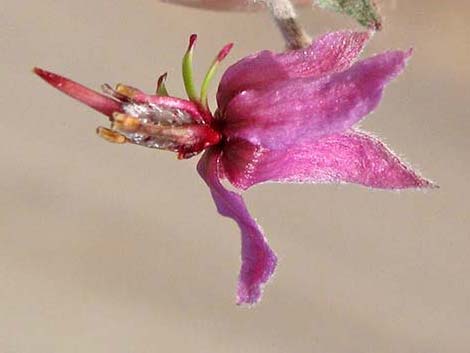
(188, 74)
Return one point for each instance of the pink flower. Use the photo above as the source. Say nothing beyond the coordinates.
(286, 117)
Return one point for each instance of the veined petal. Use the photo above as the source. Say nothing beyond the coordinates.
(237, 5)
(258, 260)
(331, 52)
(351, 157)
(277, 115)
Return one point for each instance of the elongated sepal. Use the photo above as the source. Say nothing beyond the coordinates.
(258, 260)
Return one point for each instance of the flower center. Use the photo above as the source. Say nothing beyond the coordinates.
(164, 122)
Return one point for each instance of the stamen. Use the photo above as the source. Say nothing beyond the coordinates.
(188, 70)
(127, 91)
(110, 135)
(161, 88)
(125, 123)
(210, 73)
(107, 89)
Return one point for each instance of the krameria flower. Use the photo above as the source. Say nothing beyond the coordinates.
(286, 118)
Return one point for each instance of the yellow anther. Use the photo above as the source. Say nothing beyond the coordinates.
(110, 135)
(126, 91)
(126, 123)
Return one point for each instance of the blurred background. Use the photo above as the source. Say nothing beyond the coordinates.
(107, 248)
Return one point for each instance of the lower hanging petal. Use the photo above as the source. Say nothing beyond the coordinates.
(258, 260)
(351, 157)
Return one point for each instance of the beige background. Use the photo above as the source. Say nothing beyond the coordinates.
(107, 248)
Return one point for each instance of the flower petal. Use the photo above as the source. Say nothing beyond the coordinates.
(258, 260)
(95, 100)
(331, 52)
(237, 5)
(278, 115)
(351, 157)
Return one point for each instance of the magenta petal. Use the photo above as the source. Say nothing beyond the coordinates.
(258, 260)
(352, 157)
(95, 100)
(329, 53)
(279, 114)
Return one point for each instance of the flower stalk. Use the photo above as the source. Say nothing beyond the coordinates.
(284, 15)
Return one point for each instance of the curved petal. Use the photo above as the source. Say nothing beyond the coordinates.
(352, 157)
(258, 260)
(331, 52)
(278, 115)
(237, 5)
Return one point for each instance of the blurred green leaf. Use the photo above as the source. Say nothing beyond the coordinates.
(363, 11)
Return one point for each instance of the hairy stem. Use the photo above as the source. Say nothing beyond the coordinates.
(285, 17)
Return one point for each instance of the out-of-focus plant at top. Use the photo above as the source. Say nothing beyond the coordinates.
(363, 11)
(238, 5)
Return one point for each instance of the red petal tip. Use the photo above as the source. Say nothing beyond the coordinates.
(224, 52)
(192, 41)
(49, 77)
(95, 100)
